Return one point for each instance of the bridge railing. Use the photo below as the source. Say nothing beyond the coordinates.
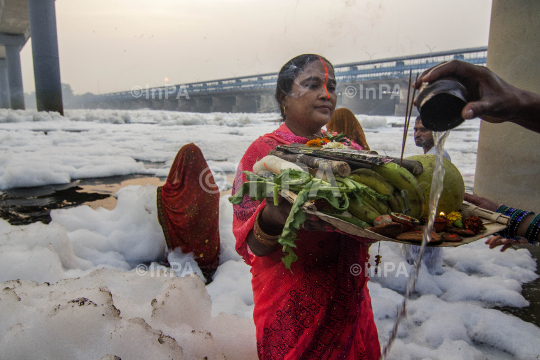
(391, 68)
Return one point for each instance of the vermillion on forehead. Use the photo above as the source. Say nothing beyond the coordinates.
(325, 76)
(316, 73)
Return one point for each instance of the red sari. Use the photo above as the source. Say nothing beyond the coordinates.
(320, 310)
(189, 213)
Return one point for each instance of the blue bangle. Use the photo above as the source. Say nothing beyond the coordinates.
(515, 218)
(518, 220)
(533, 230)
(510, 211)
(501, 209)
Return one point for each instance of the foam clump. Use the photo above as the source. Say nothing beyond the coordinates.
(451, 308)
(120, 238)
(38, 252)
(372, 122)
(75, 319)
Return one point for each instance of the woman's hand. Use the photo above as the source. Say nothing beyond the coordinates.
(273, 218)
(313, 223)
(497, 240)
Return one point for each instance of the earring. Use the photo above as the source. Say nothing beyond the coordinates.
(285, 110)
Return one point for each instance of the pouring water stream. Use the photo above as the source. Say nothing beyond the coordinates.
(436, 189)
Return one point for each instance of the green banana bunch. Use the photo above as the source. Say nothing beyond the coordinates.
(406, 183)
(379, 205)
(364, 212)
(396, 202)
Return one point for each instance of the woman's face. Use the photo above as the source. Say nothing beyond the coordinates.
(312, 100)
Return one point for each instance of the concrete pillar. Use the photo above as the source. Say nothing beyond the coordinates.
(42, 16)
(185, 104)
(508, 165)
(349, 96)
(268, 104)
(170, 104)
(204, 104)
(223, 103)
(401, 106)
(245, 104)
(16, 92)
(157, 104)
(4, 89)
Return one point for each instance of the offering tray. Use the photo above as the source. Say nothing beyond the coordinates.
(493, 222)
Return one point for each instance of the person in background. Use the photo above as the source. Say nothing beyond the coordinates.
(318, 309)
(188, 212)
(344, 121)
(424, 139)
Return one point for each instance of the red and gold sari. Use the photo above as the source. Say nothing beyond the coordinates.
(189, 213)
(320, 310)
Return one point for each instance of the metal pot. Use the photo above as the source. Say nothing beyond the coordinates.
(440, 104)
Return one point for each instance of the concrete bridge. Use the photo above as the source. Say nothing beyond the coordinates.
(20, 19)
(377, 87)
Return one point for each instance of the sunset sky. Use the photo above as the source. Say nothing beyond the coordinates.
(113, 45)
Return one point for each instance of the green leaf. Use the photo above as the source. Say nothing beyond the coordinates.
(256, 190)
(289, 258)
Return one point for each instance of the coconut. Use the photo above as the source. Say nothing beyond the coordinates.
(454, 186)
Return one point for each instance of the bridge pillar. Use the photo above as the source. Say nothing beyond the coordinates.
(203, 104)
(185, 105)
(223, 103)
(4, 89)
(245, 104)
(157, 104)
(42, 16)
(144, 103)
(400, 108)
(170, 104)
(267, 104)
(16, 92)
(515, 56)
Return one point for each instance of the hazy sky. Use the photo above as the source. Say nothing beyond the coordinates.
(113, 45)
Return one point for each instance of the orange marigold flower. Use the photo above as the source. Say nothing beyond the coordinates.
(325, 140)
(314, 143)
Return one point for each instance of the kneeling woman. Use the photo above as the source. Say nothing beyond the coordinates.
(320, 309)
(189, 213)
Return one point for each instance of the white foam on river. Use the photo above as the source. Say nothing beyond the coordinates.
(72, 289)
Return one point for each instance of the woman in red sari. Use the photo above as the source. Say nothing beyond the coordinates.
(188, 209)
(321, 309)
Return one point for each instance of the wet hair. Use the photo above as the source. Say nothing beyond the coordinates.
(290, 71)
